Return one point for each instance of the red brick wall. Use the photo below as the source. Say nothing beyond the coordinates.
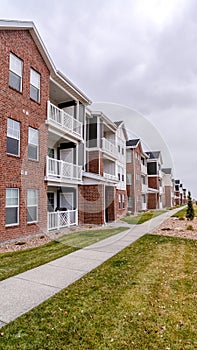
(153, 182)
(122, 211)
(152, 201)
(93, 166)
(14, 105)
(167, 202)
(135, 189)
(91, 204)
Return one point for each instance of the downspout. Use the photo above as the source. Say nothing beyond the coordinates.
(134, 187)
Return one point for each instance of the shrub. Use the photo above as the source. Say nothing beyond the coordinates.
(190, 209)
(190, 227)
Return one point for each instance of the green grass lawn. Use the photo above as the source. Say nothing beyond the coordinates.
(17, 262)
(143, 298)
(182, 213)
(141, 218)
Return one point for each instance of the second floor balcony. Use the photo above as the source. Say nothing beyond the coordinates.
(109, 147)
(61, 171)
(64, 121)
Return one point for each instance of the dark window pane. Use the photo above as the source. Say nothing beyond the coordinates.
(12, 146)
(32, 152)
(32, 214)
(11, 216)
(51, 201)
(34, 93)
(152, 168)
(15, 81)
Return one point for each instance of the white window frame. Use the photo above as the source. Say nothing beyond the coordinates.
(13, 189)
(14, 134)
(123, 201)
(33, 143)
(128, 156)
(14, 69)
(34, 85)
(35, 205)
(119, 201)
(129, 179)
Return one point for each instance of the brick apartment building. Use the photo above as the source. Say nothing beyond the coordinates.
(168, 185)
(155, 187)
(52, 174)
(137, 183)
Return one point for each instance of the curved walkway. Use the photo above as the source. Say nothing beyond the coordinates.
(23, 292)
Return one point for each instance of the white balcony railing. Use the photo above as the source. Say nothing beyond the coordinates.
(60, 219)
(160, 190)
(144, 188)
(109, 147)
(110, 176)
(143, 169)
(62, 170)
(64, 120)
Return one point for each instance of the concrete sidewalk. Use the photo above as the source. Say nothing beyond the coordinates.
(23, 292)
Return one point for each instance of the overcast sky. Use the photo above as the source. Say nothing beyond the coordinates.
(141, 54)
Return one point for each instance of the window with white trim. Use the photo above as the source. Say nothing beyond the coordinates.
(129, 202)
(12, 206)
(129, 179)
(32, 206)
(13, 137)
(123, 201)
(119, 201)
(128, 156)
(34, 85)
(33, 143)
(15, 74)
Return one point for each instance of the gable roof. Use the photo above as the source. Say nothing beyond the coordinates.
(118, 123)
(132, 143)
(29, 25)
(154, 154)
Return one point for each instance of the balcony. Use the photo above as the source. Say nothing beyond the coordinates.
(62, 171)
(63, 121)
(110, 177)
(109, 147)
(144, 169)
(61, 219)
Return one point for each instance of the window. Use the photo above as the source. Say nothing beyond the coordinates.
(129, 202)
(15, 75)
(143, 198)
(122, 151)
(34, 85)
(129, 179)
(119, 201)
(32, 206)
(143, 180)
(129, 156)
(51, 201)
(122, 177)
(123, 201)
(119, 148)
(13, 137)
(33, 144)
(12, 206)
